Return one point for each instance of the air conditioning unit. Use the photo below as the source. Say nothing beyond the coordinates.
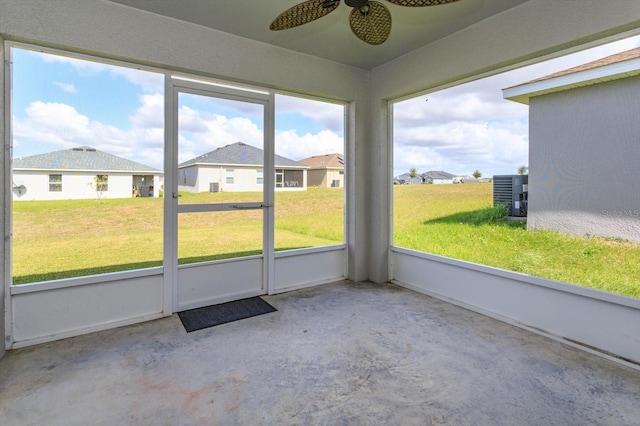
(513, 191)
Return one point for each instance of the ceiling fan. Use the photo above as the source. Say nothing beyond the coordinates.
(370, 21)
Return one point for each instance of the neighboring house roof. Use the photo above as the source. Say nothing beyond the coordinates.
(404, 176)
(80, 158)
(239, 154)
(437, 174)
(620, 65)
(326, 161)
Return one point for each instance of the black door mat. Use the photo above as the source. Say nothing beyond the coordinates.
(210, 316)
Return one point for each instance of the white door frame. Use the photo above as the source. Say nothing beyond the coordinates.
(173, 86)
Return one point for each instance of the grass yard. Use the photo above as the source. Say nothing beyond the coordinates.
(60, 239)
(73, 238)
(456, 221)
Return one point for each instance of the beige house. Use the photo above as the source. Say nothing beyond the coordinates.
(325, 171)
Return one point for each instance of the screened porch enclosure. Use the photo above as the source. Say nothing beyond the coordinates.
(195, 60)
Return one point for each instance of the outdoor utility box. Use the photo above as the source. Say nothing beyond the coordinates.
(214, 186)
(512, 190)
(145, 190)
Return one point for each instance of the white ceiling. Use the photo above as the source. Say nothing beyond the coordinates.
(330, 36)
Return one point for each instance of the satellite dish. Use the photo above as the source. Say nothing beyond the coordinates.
(19, 190)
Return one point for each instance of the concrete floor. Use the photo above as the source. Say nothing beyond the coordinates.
(338, 354)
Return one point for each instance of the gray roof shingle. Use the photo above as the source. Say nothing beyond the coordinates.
(607, 60)
(240, 153)
(80, 158)
(326, 161)
(437, 174)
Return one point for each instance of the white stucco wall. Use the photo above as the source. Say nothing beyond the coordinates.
(245, 179)
(188, 176)
(584, 160)
(439, 181)
(75, 186)
(324, 178)
(335, 175)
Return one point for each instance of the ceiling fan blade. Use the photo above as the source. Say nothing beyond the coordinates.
(303, 13)
(420, 3)
(371, 23)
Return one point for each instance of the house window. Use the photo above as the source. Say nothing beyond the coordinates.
(102, 183)
(230, 176)
(55, 183)
(260, 176)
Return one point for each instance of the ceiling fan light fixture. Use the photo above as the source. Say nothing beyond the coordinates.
(364, 10)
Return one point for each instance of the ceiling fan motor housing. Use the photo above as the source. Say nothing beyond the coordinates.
(356, 3)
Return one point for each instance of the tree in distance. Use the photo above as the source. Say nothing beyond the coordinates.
(477, 174)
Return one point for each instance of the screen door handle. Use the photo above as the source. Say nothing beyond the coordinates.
(241, 207)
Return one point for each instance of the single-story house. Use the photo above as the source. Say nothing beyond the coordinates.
(577, 118)
(81, 173)
(238, 167)
(406, 178)
(465, 179)
(437, 176)
(326, 171)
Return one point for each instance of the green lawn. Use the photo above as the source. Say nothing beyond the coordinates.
(451, 220)
(62, 239)
(59, 239)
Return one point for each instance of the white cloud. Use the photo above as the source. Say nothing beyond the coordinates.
(471, 126)
(201, 132)
(150, 114)
(296, 147)
(67, 87)
(50, 126)
(328, 115)
(150, 82)
(462, 147)
(296, 143)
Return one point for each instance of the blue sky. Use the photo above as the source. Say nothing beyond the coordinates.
(61, 102)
